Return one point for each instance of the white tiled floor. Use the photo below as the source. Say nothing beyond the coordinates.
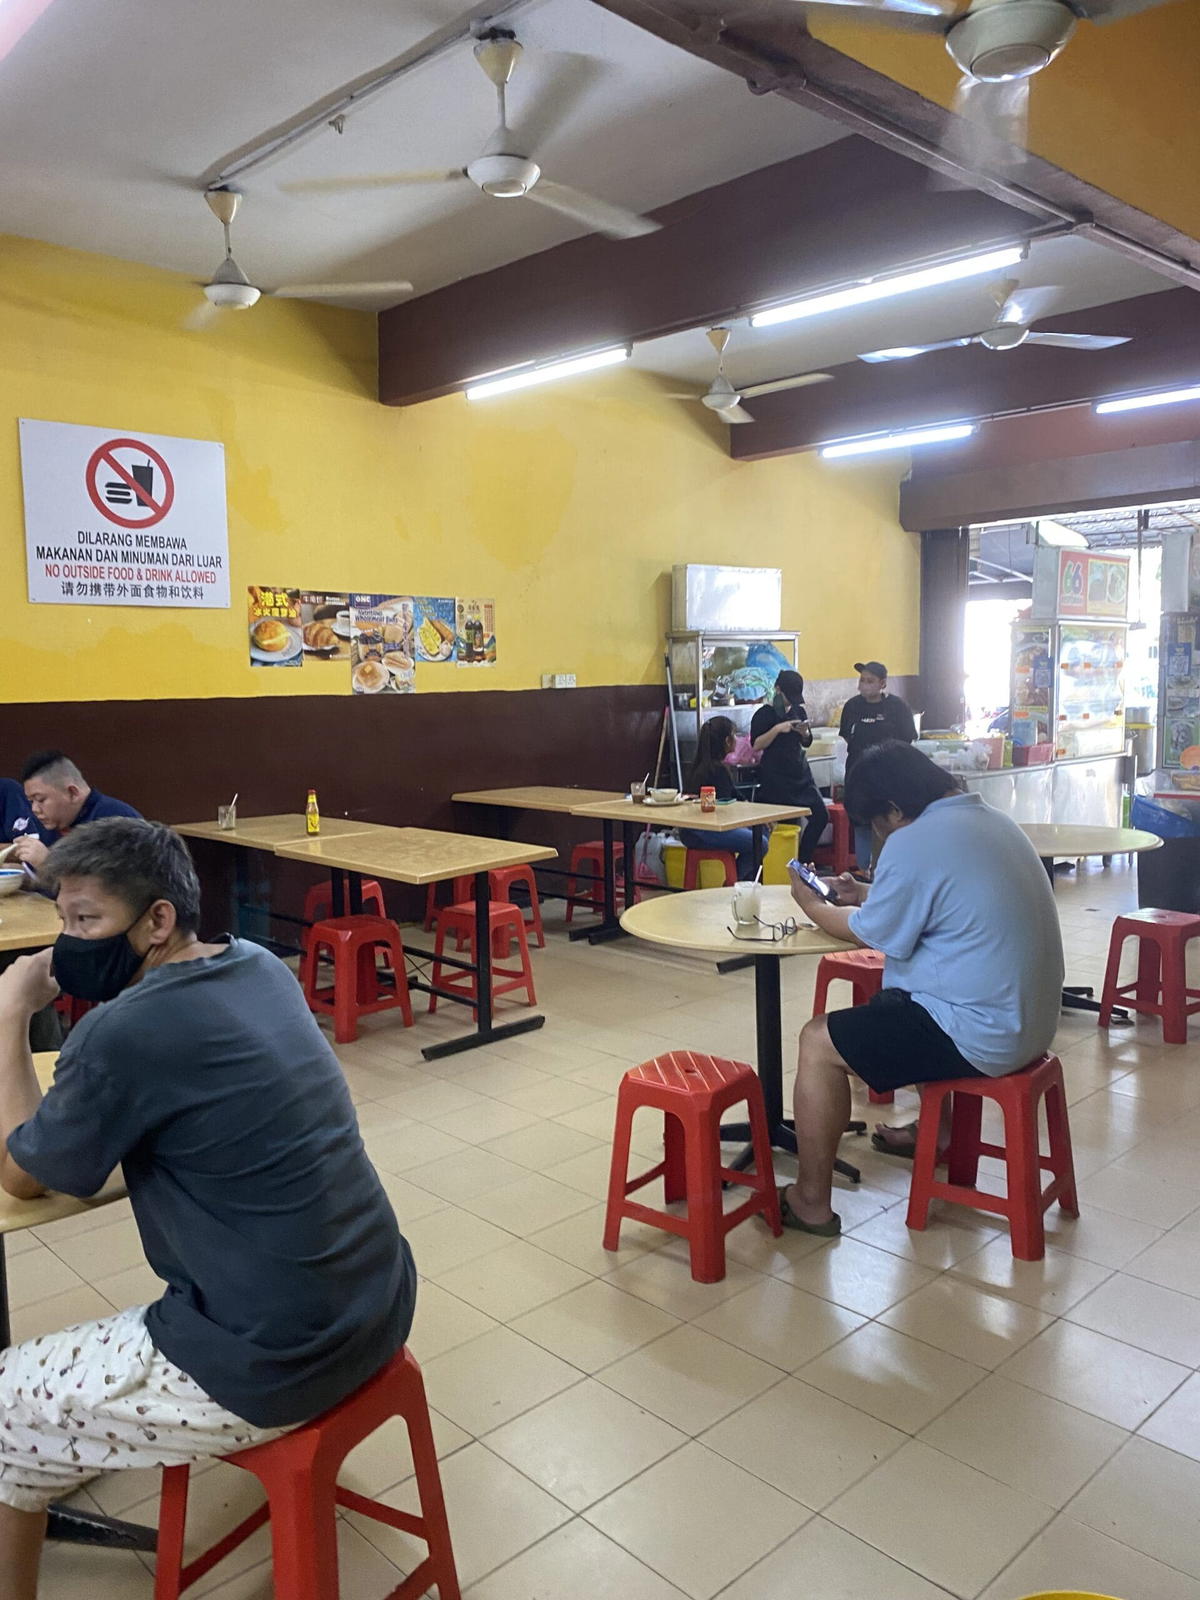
(886, 1417)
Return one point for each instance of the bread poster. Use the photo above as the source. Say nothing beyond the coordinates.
(433, 627)
(273, 621)
(325, 626)
(382, 651)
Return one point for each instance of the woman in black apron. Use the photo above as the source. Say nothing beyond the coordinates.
(780, 731)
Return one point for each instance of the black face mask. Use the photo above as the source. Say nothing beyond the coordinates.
(96, 969)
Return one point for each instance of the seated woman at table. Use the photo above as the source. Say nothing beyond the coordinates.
(207, 1079)
(963, 911)
(717, 739)
(781, 733)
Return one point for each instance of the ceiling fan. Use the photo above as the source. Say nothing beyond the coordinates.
(229, 289)
(1017, 309)
(999, 44)
(501, 170)
(725, 400)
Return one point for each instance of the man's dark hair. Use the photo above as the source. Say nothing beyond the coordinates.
(895, 774)
(57, 766)
(139, 861)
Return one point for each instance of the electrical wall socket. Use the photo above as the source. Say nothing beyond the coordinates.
(558, 680)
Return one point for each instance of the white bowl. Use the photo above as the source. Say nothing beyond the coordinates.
(11, 879)
(664, 797)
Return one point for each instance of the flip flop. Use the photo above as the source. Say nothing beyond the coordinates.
(878, 1142)
(823, 1230)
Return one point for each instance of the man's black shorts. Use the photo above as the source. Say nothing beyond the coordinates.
(892, 1042)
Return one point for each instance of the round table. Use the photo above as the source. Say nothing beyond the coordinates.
(1073, 840)
(700, 921)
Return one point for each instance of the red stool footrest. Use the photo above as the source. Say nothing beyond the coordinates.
(1019, 1095)
(692, 1091)
(505, 925)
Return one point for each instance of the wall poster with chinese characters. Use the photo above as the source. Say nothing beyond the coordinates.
(475, 632)
(273, 621)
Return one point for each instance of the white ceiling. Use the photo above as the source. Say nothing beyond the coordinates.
(1087, 274)
(110, 116)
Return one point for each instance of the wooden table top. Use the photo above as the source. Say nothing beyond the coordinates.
(28, 921)
(700, 921)
(415, 855)
(687, 814)
(18, 1214)
(537, 797)
(264, 833)
(1082, 839)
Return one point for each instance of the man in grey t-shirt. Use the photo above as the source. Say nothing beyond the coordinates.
(204, 1076)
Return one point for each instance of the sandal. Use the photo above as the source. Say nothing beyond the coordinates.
(888, 1148)
(823, 1230)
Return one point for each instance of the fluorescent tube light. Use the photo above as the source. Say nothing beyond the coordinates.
(939, 433)
(860, 294)
(1135, 402)
(547, 372)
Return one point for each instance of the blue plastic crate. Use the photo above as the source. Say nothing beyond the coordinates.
(1153, 818)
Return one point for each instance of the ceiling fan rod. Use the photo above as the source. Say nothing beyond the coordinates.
(341, 104)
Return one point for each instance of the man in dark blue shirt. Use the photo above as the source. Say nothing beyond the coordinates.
(206, 1078)
(61, 799)
(17, 820)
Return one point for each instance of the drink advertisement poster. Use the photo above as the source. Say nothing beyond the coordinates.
(382, 651)
(273, 619)
(475, 631)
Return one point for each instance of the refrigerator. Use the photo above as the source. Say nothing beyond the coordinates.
(1067, 687)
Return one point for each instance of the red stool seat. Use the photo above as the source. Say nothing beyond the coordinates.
(1019, 1096)
(1160, 988)
(299, 1473)
(863, 970)
(70, 1008)
(693, 1091)
(693, 858)
(500, 885)
(359, 987)
(506, 924)
(838, 854)
(590, 854)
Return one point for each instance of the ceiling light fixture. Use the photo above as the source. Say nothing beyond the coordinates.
(1135, 402)
(546, 372)
(863, 292)
(936, 433)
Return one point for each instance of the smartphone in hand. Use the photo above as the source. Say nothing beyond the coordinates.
(817, 884)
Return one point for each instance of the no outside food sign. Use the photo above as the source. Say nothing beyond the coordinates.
(113, 518)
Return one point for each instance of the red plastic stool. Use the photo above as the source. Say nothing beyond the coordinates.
(693, 858)
(70, 1008)
(318, 902)
(359, 987)
(591, 855)
(838, 854)
(692, 1091)
(863, 970)
(505, 923)
(500, 883)
(299, 1473)
(1018, 1095)
(1160, 989)
(461, 890)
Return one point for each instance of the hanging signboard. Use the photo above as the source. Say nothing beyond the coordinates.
(113, 519)
(1080, 583)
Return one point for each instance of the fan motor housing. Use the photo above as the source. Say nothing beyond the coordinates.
(999, 40)
(1004, 336)
(504, 177)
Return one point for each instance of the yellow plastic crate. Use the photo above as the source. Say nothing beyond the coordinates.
(785, 840)
(674, 861)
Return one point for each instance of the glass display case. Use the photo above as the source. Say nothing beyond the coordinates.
(724, 674)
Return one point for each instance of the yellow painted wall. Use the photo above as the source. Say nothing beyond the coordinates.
(567, 505)
(1117, 108)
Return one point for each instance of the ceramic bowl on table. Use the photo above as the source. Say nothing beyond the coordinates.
(664, 797)
(11, 879)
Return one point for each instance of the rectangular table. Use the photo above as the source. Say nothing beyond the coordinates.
(28, 921)
(685, 814)
(426, 855)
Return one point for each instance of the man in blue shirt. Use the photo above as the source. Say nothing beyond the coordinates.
(17, 820)
(60, 799)
(288, 1283)
(963, 911)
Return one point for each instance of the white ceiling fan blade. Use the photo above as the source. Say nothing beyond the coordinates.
(925, 16)
(1024, 306)
(902, 352)
(1077, 341)
(568, 80)
(983, 114)
(1116, 10)
(734, 413)
(800, 381)
(201, 317)
(612, 221)
(680, 394)
(376, 180)
(323, 291)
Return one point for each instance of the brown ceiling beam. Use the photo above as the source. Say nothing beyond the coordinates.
(841, 212)
(975, 383)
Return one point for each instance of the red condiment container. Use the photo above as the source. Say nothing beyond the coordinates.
(708, 798)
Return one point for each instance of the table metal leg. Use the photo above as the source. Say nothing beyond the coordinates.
(1080, 996)
(610, 924)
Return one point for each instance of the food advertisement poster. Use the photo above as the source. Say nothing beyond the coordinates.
(117, 520)
(382, 658)
(273, 620)
(325, 625)
(475, 632)
(1179, 689)
(433, 627)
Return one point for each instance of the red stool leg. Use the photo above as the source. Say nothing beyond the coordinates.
(674, 1160)
(303, 1527)
(760, 1140)
(706, 1237)
(691, 869)
(1149, 972)
(172, 1523)
(874, 1098)
(821, 992)
(1062, 1160)
(1024, 1175)
(618, 1171)
(1112, 978)
(1173, 978)
(925, 1159)
(429, 1486)
(439, 945)
(966, 1124)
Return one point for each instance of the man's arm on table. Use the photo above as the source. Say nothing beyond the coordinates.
(833, 920)
(25, 987)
